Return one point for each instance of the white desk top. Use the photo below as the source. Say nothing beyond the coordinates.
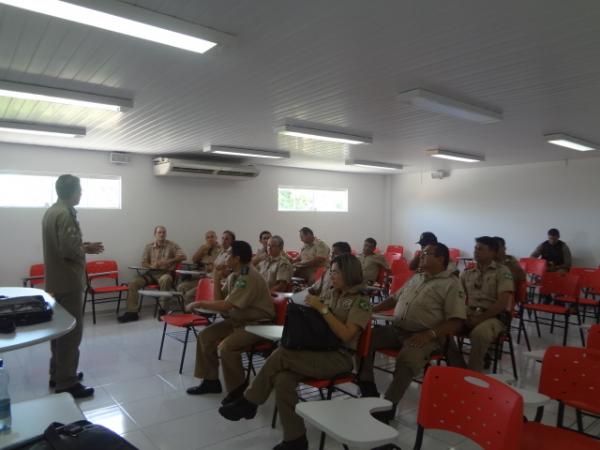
(31, 418)
(270, 332)
(384, 316)
(62, 322)
(190, 272)
(349, 420)
(158, 293)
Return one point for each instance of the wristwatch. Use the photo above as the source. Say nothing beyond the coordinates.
(325, 310)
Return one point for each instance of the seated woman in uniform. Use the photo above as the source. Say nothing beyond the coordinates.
(347, 311)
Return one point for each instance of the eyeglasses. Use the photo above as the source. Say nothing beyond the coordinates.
(427, 254)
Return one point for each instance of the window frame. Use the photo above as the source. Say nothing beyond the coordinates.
(313, 188)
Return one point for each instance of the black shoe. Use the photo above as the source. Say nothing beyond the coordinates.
(385, 416)
(387, 447)
(206, 387)
(487, 361)
(235, 394)
(128, 317)
(78, 391)
(368, 389)
(297, 444)
(240, 409)
(52, 383)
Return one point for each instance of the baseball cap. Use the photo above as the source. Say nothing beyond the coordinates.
(426, 238)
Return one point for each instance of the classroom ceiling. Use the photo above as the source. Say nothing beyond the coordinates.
(335, 62)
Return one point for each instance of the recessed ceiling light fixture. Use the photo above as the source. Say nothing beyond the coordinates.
(120, 17)
(322, 133)
(63, 96)
(245, 152)
(454, 156)
(432, 102)
(41, 129)
(373, 164)
(564, 140)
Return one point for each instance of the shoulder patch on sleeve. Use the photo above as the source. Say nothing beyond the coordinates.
(508, 275)
(240, 284)
(364, 305)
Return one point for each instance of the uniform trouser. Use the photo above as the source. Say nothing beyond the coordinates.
(65, 349)
(231, 340)
(188, 289)
(163, 279)
(481, 337)
(282, 371)
(308, 273)
(409, 362)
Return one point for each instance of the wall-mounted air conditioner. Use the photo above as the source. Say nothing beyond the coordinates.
(190, 168)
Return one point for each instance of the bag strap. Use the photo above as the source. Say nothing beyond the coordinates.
(55, 429)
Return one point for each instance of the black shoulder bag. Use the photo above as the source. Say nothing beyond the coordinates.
(306, 329)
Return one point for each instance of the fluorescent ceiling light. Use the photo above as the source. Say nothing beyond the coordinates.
(373, 164)
(64, 96)
(564, 140)
(322, 133)
(130, 20)
(432, 102)
(41, 129)
(454, 156)
(246, 152)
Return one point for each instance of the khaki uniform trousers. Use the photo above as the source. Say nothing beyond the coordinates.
(409, 362)
(231, 340)
(65, 349)
(163, 279)
(481, 337)
(188, 289)
(282, 372)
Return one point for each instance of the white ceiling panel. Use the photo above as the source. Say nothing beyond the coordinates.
(339, 62)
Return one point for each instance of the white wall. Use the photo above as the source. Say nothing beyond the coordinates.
(519, 203)
(186, 206)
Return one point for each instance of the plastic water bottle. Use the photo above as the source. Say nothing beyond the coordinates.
(5, 419)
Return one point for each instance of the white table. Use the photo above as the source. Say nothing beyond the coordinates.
(32, 417)
(383, 316)
(350, 421)
(270, 332)
(198, 273)
(62, 322)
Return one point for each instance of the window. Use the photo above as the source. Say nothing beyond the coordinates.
(309, 199)
(38, 191)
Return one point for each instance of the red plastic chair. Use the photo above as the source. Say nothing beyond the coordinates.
(535, 269)
(571, 375)
(106, 270)
(488, 412)
(454, 254)
(292, 254)
(390, 257)
(559, 285)
(36, 275)
(395, 249)
(187, 321)
(593, 338)
(400, 280)
(589, 283)
(399, 266)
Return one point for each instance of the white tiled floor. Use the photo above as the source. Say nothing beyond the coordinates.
(144, 399)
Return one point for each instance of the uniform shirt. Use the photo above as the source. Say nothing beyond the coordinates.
(515, 268)
(371, 265)
(322, 286)
(350, 306)
(154, 253)
(425, 301)
(317, 249)
(64, 257)
(275, 270)
(206, 258)
(260, 256)
(484, 288)
(249, 294)
(222, 257)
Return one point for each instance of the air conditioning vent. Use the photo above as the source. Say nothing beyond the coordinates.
(164, 167)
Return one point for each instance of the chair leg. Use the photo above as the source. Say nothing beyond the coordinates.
(537, 323)
(85, 296)
(579, 322)
(162, 341)
(94, 308)
(322, 441)
(119, 302)
(274, 419)
(140, 300)
(566, 333)
(561, 415)
(187, 334)
(579, 420)
(512, 357)
(419, 438)
(552, 324)
(526, 337)
(497, 352)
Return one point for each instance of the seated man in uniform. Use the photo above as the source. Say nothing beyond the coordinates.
(204, 259)
(314, 254)
(429, 307)
(555, 252)
(276, 269)
(426, 238)
(322, 286)
(262, 252)
(160, 258)
(244, 300)
(227, 239)
(489, 287)
(372, 262)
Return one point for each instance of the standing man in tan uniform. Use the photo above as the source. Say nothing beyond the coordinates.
(160, 258)
(276, 269)
(429, 307)
(64, 260)
(489, 287)
(244, 300)
(371, 262)
(314, 254)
